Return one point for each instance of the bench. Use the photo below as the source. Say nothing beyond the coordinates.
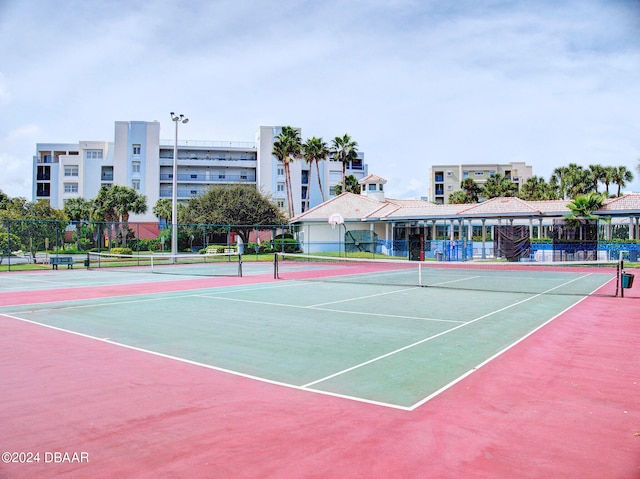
(56, 261)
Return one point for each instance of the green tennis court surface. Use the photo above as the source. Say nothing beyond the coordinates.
(388, 344)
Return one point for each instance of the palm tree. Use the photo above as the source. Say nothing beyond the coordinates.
(582, 208)
(559, 180)
(352, 186)
(345, 150)
(597, 175)
(471, 189)
(127, 201)
(608, 177)
(287, 147)
(621, 176)
(114, 204)
(458, 198)
(499, 186)
(315, 150)
(578, 180)
(536, 188)
(78, 210)
(163, 209)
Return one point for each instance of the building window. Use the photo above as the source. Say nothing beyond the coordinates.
(372, 187)
(280, 203)
(136, 184)
(243, 175)
(478, 173)
(280, 171)
(71, 187)
(280, 188)
(135, 167)
(136, 150)
(71, 170)
(93, 154)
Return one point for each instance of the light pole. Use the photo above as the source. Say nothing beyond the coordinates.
(174, 200)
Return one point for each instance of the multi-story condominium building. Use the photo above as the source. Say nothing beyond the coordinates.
(446, 179)
(139, 158)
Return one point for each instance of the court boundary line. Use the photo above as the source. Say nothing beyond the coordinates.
(208, 366)
(430, 338)
(496, 355)
(306, 387)
(218, 290)
(313, 307)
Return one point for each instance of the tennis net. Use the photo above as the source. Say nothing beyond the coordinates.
(215, 264)
(575, 278)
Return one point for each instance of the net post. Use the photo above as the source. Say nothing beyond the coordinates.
(240, 265)
(275, 265)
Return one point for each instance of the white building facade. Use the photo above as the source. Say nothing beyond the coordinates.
(139, 158)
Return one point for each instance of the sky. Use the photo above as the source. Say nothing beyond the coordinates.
(414, 83)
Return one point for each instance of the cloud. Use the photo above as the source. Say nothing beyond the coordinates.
(414, 82)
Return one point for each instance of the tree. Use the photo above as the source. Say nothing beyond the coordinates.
(471, 190)
(344, 150)
(78, 210)
(579, 181)
(315, 150)
(583, 206)
(241, 206)
(572, 180)
(597, 175)
(114, 204)
(621, 176)
(608, 177)
(163, 209)
(352, 186)
(536, 188)
(499, 186)
(287, 147)
(458, 198)
(36, 223)
(4, 200)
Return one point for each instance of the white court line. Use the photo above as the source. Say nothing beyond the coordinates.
(209, 366)
(306, 387)
(343, 311)
(430, 338)
(98, 302)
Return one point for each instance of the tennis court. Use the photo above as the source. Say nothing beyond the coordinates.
(342, 340)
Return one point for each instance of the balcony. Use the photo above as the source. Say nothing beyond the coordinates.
(211, 178)
(44, 176)
(43, 193)
(439, 178)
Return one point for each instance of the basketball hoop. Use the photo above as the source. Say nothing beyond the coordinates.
(335, 219)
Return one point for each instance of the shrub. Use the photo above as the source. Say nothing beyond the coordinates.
(290, 245)
(4, 242)
(121, 251)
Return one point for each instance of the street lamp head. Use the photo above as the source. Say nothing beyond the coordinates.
(180, 118)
